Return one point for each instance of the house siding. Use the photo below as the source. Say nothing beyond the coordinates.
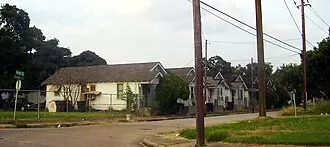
(107, 98)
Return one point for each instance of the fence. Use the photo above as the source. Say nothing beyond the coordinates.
(35, 100)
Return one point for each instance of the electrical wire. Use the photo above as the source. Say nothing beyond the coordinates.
(313, 10)
(245, 24)
(292, 16)
(316, 24)
(246, 30)
(246, 42)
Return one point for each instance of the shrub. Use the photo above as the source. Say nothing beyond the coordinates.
(322, 108)
(290, 111)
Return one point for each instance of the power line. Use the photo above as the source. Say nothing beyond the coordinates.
(273, 57)
(246, 24)
(316, 25)
(292, 17)
(295, 22)
(313, 10)
(247, 42)
(246, 30)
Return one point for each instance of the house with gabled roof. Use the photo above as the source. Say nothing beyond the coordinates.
(103, 86)
(223, 91)
(239, 95)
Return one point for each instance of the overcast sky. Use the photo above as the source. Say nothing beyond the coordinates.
(124, 31)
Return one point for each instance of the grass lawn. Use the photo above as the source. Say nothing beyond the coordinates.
(297, 131)
(31, 116)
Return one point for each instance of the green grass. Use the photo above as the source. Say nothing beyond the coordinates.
(31, 116)
(298, 131)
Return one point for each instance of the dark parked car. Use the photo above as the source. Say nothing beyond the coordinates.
(22, 104)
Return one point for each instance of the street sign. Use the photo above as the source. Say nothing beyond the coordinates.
(18, 84)
(19, 75)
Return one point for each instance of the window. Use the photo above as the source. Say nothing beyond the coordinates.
(241, 95)
(221, 92)
(120, 91)
(56, 93)
(192, 93)
(93, 88)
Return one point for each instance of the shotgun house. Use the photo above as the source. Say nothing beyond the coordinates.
(103, 86)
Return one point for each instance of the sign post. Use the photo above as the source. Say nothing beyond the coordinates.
(19, 76)
(18, 87)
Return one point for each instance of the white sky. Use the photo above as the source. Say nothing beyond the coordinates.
(123, 31)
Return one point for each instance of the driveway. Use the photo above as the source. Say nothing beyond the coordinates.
(121, 135)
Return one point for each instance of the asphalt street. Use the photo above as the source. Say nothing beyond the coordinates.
(115, 135)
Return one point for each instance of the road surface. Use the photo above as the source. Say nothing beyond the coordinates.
(115, 135)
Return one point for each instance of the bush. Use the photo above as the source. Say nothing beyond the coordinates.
(290, 111)
(322, 108)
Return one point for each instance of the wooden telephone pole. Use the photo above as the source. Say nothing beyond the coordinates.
(304, 95)
(200, 139)
(261, 58)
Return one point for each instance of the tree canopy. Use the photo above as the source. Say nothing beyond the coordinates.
(25, 48)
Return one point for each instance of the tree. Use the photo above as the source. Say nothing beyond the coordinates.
(288, 78)
(130, 99)
(45, 61)
(318, 61)
(170, 89)
(239, 70)
(268, 69)
(217, 64)
(14, 25)
(87, 58)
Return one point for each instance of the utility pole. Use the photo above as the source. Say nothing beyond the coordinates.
(200, 140)
(261, 64)
(304, 96)
(205, 76)
(252, 92)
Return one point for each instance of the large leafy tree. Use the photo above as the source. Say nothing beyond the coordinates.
(14, 26)
(288, 78)
(216, 64)
(25, 48)
(170, 89)
(318, 61)
(87, 58)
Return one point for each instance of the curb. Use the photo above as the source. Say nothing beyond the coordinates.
(173, 118)
(58, 125)
(147, 143)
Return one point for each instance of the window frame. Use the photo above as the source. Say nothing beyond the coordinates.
(120, 93)
(92, 87)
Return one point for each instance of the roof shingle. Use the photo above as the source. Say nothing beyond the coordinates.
(136, 72)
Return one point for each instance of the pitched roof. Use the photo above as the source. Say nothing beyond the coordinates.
(182, 72)
(230, 78)
(212, 82)
(135, 72)
(248, 81)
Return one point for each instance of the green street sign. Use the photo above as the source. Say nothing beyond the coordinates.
(19, 75)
